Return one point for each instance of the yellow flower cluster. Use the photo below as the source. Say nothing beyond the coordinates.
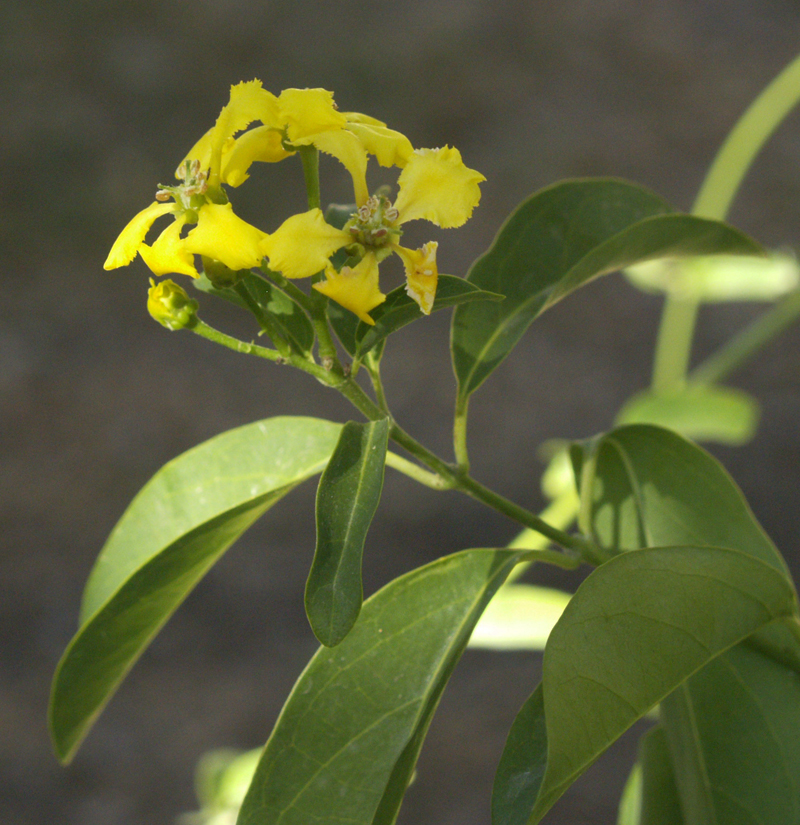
(434, 185)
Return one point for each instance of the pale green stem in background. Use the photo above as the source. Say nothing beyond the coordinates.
(745, 344)
(674, 343)
(757, 124)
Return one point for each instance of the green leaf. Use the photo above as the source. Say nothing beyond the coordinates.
(558, 240)
(702, 413)
(720, 277)
(347, 498)
(678, 493)
(519, 617)
(346, 742)
(398, 310)
(636, 629)
(645, 486)
(291, 320)
(178, 525)
(733, 730)
(660, 803)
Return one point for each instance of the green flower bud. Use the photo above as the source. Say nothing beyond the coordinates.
(169, 304)
(221, 276)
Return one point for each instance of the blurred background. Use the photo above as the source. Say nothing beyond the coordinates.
(100, 102)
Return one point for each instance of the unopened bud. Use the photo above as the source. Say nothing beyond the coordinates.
(169, 304)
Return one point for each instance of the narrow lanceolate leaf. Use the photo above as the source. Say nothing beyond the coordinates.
(637, 628)
(732, 726)
(347, 498)
(346, 743)
(180, 523)
(556, 241)
(702, 413)
(290, 320)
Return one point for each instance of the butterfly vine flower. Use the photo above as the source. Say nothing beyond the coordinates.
(434, 185)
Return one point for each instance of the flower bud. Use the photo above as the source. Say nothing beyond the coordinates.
(169, 304)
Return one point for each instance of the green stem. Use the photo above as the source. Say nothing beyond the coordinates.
(719, 188)
(745, 141)
(459, 480)
(674, 343)
(745, 344)
(374, 371)
(294, 292)
(205, 331)
(403, 465)
(460, 433)
(561, 512)
(452, 477)
(309, 155)
(265, 322)
(568, 562)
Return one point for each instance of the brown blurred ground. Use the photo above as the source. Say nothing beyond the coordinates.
(100, 101)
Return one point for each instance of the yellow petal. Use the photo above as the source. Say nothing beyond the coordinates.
(302, 244)
(357, 117)
(262, 143)
(421, 274)
(169, 254)
(248, 102)
(223, 235)
(200, 152)
(437, 186)
(391, 148)
(132, 236)
(307, 112)
(350, 152)
(355, 289)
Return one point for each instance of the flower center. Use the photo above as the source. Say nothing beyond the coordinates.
(373, 225)
(191, 194)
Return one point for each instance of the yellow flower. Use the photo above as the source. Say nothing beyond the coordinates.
(219, 233)
(434, 185)
(354, 288)
(302, 244)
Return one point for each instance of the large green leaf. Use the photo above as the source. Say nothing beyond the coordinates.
(636, 629)
(700, 412)
(180, 523)
(288, 316)
(556, 241)
(347, 498)
(644, 486)
(733, 729)
(346, 742)
(398, 310)
(676, 492)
